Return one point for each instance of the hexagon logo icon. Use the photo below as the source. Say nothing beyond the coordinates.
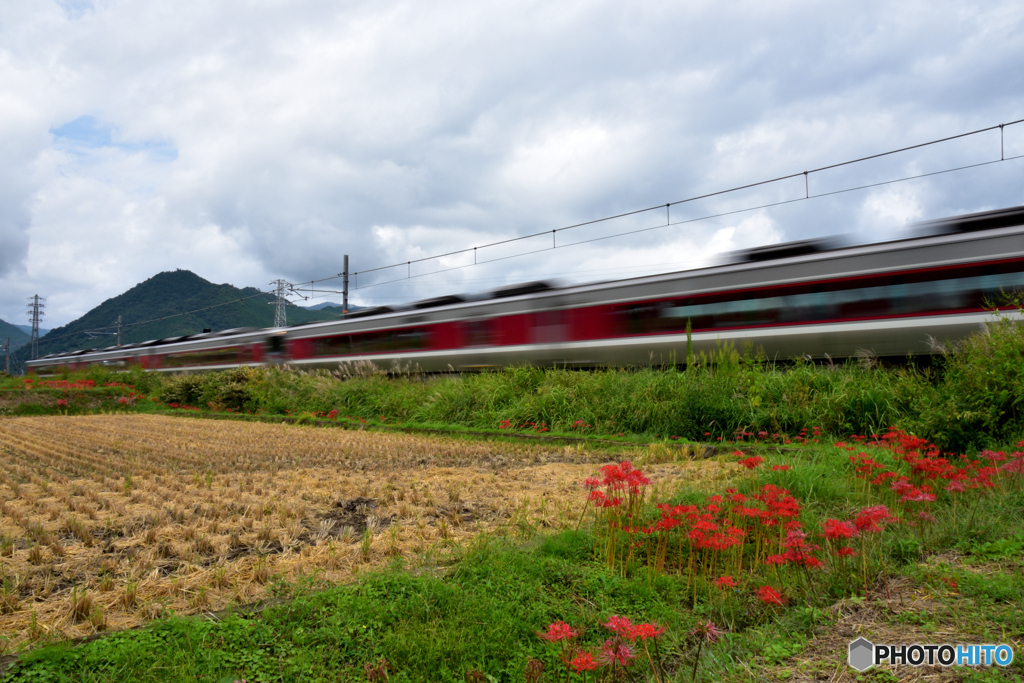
(862, 654)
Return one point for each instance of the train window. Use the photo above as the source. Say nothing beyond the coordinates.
(550, 327)
(205, 357)
(479, 332)
(382, 341)
(883, 295)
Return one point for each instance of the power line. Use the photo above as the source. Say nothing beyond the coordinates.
(98, 330)
(694, 220)
(667, 206)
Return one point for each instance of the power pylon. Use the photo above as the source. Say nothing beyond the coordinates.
(35, 314)
(280, 314)
(344, 289)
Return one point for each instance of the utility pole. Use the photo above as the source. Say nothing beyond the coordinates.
(118, 330)
(344, 289)
(35, 313)
(280, 314)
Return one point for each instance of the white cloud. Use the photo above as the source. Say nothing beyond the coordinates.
(249, 142)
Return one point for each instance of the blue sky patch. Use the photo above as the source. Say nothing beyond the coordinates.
(87, 132)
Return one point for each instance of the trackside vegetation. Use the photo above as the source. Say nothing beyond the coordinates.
(971, 397)
(848, 499)
(744, 582)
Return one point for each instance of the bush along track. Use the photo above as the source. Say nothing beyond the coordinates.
(971, 397)
(764, 577)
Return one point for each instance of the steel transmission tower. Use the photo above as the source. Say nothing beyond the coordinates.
(35, 313)
(280, 314)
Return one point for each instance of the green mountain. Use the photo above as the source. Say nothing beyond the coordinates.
(18, 338)
(177, 303)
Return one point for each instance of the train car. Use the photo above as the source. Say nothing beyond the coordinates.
(803, 299)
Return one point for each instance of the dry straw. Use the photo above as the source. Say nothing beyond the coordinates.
(108, 521)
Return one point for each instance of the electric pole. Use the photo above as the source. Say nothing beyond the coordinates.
(344, 289)
(280, 314)
(118, 330)
(35, 313)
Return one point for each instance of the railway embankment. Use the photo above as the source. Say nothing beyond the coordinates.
(970, 396)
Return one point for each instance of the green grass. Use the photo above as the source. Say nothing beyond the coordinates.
(969, 399)
(480, 610)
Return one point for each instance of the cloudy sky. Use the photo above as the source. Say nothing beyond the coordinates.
(249, 141)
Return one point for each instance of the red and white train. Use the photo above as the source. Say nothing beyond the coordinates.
(797, 299)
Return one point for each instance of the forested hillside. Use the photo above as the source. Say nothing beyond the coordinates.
(163, 299)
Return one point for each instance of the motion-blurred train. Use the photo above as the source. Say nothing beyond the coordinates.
(800, 299)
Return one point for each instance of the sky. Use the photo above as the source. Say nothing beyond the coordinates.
(252, 141)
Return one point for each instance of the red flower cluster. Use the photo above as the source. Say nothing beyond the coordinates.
(725, 582)
(769, 595)
(873, 518)
(557, 631)
(751, 462)
(835, 530)
(625, 629)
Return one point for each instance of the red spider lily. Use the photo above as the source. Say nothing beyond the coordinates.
(62, 403)
(624, 475)
(845, 552)
(781, 468)
(871, 518)
(725, 582)
(706, 632)
(614, 651)
(645, 631)
(619, 625)
(769, 595)
(834, 529)
(557, 631)
(917, 495)
(1015, 466)
(752, 462)
(583, 661)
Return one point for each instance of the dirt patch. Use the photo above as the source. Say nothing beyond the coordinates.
(898, 610)
(356, 514)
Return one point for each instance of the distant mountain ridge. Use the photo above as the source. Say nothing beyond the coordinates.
(18, 336)
(168, 295)
(27, 329)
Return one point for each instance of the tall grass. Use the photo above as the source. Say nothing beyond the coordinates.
(971, 397)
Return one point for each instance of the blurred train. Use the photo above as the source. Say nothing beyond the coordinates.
(800, 299)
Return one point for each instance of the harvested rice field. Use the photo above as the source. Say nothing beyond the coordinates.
(108, 521)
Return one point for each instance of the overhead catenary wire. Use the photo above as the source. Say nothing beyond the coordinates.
(668, 205)
(722, 214)
(99, 330)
